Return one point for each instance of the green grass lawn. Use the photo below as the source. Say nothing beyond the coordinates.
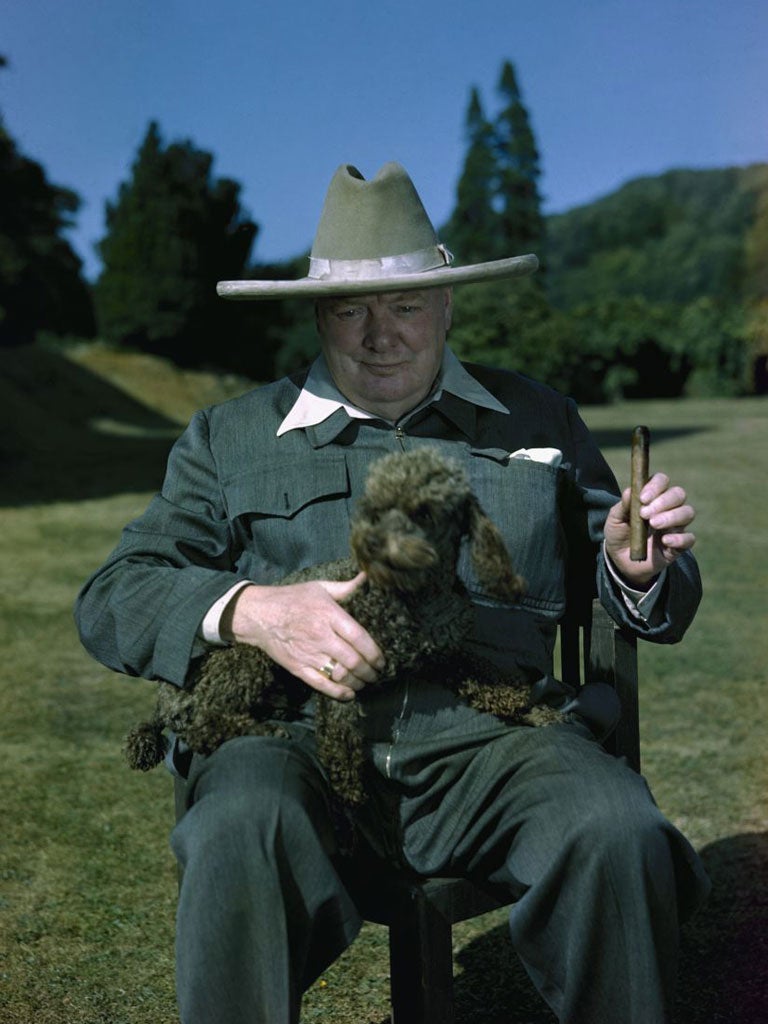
(87, 881)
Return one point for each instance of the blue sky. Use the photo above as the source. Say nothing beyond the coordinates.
(282, 93)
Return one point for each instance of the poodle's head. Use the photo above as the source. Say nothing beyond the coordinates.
(408, 526)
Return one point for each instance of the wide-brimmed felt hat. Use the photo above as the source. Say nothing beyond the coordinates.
(374, 235)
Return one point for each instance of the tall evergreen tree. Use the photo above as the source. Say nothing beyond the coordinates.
(172, 233)
(497, 214)
(473, 228)
(521, 224)
(41, 284)
(498, 206)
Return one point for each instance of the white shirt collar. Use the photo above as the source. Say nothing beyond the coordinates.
(320, 398)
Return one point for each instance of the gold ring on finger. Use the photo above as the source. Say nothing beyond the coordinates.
(328, 668)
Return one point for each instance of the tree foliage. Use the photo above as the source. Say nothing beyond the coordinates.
(667, 275)
(473, 228)
(672, 238)
(498, 206)
(658, 289)
(41, 284)
(521, 224)
(172, 233)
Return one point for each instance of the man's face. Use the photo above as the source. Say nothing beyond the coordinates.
(384, 351)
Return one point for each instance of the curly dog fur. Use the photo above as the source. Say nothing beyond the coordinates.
(406, 534)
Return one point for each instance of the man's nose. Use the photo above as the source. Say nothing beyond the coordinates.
(380, 330)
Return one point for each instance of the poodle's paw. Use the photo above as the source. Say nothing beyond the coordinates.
(145, 747)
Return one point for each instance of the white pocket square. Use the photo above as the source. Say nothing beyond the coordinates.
(549, 456)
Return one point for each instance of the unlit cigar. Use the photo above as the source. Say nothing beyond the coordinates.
(638, 528)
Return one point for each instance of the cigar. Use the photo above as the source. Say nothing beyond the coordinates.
(638, 528)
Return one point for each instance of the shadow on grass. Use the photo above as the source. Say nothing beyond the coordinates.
(724, 953)
(621, 437)
(66, 434)
(724, 967)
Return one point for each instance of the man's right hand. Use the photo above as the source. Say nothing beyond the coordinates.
(303, 627)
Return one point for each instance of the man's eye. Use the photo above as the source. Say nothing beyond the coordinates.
(407, 310)
(348, 314)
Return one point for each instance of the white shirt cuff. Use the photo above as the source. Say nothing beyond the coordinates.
(640, 603)
(211, 624)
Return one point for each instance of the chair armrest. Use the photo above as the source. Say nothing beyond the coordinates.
(611, 657)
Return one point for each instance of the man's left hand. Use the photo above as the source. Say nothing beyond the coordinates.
(668, 515)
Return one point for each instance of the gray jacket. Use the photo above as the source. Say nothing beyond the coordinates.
(240, 503)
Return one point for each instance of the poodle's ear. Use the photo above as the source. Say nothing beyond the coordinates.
(490, 557)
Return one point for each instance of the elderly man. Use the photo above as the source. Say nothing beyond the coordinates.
(263, 485)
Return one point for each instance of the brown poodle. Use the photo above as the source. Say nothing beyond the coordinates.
(406, 534)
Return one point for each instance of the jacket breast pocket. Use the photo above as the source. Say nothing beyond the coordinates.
(289, 515)
(522, 498)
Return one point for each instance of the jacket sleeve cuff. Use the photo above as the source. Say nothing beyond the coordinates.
(640, 603)
(674, 608)
(210, 627)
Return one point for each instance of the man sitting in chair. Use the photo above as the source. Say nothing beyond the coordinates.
(263, 485)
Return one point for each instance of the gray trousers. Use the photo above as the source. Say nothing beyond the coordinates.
(600, 878)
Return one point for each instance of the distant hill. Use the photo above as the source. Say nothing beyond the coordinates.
(675, 237)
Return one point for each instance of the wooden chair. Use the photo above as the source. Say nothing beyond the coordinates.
(420, 912)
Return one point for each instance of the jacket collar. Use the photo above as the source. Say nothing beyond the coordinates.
(321, 405)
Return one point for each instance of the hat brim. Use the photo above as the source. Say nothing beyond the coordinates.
(441, 277)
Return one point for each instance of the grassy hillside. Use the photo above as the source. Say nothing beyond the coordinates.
(93, 421)
(87, 882)
(674, 237)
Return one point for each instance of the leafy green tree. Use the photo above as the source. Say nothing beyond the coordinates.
(633, 346)
(515, 328)
(41, 284)
(666, 278)
(172, 233)
(716, 344)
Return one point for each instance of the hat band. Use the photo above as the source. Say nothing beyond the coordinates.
(379, 269)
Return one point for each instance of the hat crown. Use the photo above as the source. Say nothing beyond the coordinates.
(366, 219)
(374, 236)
